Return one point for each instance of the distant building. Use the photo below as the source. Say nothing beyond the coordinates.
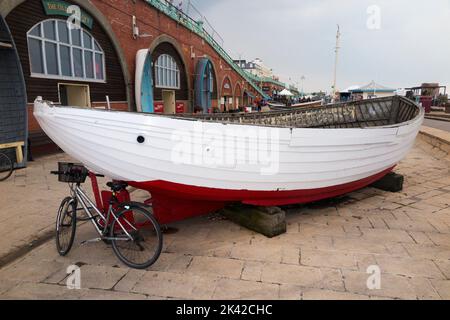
(255, 67)
(263, 76)
(433, 90)
(372, 90)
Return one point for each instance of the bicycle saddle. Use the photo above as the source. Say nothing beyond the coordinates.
(117, 186)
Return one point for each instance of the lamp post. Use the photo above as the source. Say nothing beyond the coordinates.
(338, 37)
(303, 87)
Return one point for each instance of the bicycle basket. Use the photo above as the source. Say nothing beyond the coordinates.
(72, 172)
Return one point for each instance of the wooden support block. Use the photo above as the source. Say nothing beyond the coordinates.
(270, 222)
(392, 182)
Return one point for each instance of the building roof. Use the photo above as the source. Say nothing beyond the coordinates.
(351, 88)
(285, 92)
(373, 87)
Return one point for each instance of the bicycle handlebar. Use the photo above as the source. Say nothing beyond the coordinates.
(62, 172)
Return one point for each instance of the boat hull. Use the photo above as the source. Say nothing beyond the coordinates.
(199, 166)
(174, 202)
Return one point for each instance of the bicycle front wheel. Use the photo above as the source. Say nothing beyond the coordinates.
(6, 167)
(136, 237)
(66, 225)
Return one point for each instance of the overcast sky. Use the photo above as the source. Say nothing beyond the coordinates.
(297, 37)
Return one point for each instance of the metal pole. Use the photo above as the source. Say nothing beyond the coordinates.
(303, 86)
(338, 36)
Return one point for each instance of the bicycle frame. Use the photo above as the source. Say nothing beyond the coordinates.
(86, 203)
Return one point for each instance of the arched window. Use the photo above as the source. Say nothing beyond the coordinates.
(57, 52)
(167, 73)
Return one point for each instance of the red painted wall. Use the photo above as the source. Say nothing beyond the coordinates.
(156, 24)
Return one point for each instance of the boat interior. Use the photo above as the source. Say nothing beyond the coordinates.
(358, 114)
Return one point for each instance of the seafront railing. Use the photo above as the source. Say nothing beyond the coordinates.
(198, 27)
(264, 79)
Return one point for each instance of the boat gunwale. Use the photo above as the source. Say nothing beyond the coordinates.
(193, 118)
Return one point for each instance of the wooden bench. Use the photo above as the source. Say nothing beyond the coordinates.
(5, 45)
(18, 146)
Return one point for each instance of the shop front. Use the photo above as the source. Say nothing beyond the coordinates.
(226, 102)
(171, 93)
(205, 86)
(66, 63)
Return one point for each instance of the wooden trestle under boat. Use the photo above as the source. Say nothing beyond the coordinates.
(194, 164)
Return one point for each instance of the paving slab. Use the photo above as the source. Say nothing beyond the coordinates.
(325, 253)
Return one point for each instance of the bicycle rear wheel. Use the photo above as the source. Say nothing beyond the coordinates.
(6, 167)
(66, 224)
(136, 237)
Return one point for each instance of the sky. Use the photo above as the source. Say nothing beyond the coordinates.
(397, 43)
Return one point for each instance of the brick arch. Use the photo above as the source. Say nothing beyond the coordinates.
(216, 74)
(201, 100)
(225, 92)
(7, 6)
(166, 39)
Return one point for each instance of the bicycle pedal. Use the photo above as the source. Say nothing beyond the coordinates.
(91, 241)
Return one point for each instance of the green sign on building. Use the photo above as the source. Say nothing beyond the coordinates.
(59, 8)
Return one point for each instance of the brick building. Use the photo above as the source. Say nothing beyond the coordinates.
(94, 66)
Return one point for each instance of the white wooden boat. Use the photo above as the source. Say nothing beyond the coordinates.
(273, 158)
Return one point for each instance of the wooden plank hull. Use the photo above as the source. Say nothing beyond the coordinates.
(219, 162)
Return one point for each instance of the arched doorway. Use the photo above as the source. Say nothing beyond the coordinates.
(205, 86)
(81, 67)
(226, 101)
(238, 97)
(170, 92)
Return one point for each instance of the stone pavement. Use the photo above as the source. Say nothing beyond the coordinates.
(438, 124)
(324, 255)
(29, 201)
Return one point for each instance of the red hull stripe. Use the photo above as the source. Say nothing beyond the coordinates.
(259, 198)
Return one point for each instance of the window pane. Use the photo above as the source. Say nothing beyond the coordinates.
(76, 37)
(87, 40)
(164, 77)
(66, 62)
(49, 30)
(36, 31)
(37, 65)
(78, 63)
(89, 64)
(159, 74)
(99, 66)
(63, 32)
(97, 47)
(51, 58)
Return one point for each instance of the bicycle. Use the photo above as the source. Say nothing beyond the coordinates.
(133, 232)
(6, 167)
